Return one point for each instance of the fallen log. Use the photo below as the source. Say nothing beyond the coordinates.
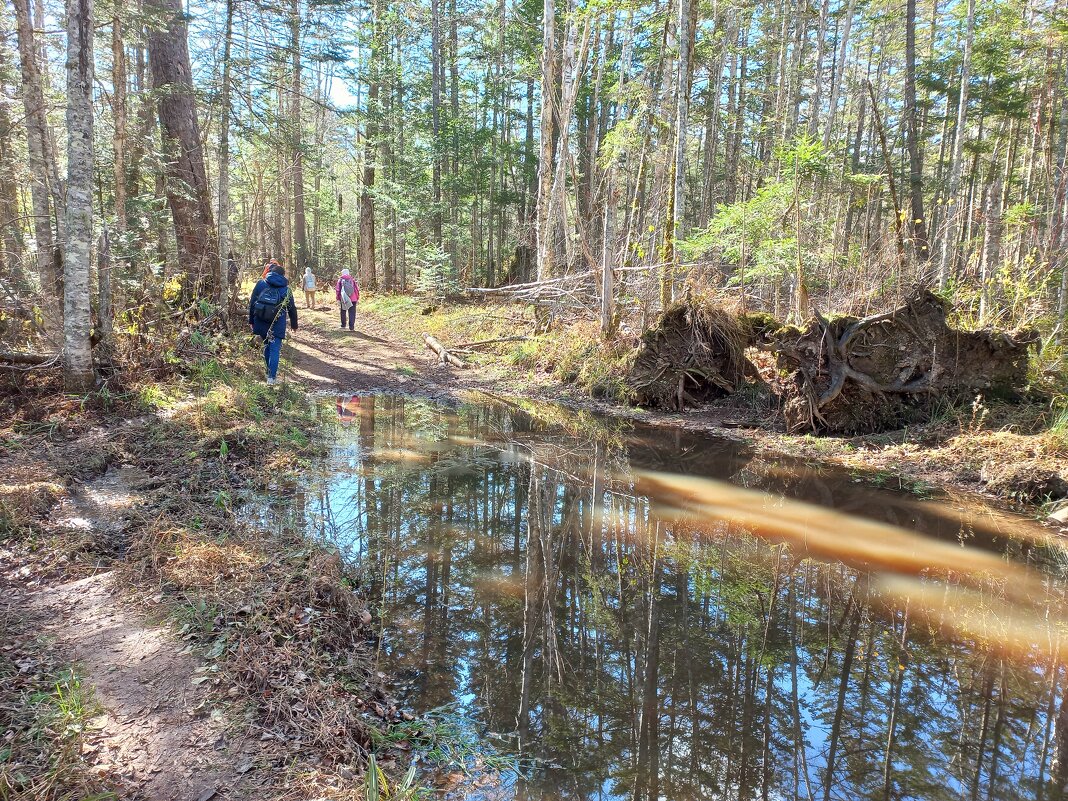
(16, 357)
(442, 352)
(484, 342)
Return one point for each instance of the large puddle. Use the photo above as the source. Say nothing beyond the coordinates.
(647, 614)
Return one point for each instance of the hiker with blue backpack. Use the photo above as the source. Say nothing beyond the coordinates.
(267, 310)
(348, 295)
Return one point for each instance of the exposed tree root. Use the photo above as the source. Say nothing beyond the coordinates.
(695, 352)
(865, 374)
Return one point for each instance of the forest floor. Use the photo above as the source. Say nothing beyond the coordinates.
(157, 643)
(1015, 454)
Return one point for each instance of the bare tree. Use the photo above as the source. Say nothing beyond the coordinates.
(38, 141)
(78, 372)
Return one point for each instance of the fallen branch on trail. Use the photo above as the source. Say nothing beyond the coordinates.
(482, 342)
(442, 352)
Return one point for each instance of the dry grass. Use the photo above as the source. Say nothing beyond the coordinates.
(44, 709)
(279, 616)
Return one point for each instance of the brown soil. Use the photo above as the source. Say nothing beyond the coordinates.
(328, 358)
(158, 735)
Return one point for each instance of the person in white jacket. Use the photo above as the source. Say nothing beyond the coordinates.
(309, 288)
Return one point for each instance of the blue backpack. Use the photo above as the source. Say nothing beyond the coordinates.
(269, 303)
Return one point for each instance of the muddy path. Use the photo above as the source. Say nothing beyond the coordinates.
(325, 357)
(156, 731)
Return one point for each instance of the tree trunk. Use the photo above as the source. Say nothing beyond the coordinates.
(821, 47)
(300, 226)
(949, 237)
(678, 189)
(11, 242)
(187, 183)
(38, 150)
(225, 253)
(545, 228)
(78, 373)
(918, 224)
(435, 113)
(839, 77)
(366, 241)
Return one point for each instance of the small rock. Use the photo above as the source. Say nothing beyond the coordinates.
(1060, 514)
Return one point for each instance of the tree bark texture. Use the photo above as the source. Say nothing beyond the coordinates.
(187, 184)
(78, 372)
(38, 148)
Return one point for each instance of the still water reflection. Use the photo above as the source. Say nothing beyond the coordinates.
(653, 614)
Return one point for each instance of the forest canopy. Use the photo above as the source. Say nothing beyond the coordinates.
(794, 153)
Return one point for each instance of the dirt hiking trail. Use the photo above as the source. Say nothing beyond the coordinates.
(326, 357)
(156, 736)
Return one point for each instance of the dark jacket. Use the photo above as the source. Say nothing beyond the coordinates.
(260, 326)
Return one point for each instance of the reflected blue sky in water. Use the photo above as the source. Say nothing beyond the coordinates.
(523, 571)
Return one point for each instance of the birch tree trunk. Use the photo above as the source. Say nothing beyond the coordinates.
(839, 77)
(78, 373)
(817, 94)
(545, 228)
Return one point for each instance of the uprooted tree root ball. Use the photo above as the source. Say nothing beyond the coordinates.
(857, 375)
(694, 352)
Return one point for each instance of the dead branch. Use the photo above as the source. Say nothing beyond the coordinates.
(442, 352)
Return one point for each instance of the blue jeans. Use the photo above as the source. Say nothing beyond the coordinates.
(272, 349)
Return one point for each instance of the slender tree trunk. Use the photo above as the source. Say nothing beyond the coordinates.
(678, 189)
(38, 147)
(839, 77)
(949, 237)
(821, 49)
(78, 374)
(222, 280)
(11, 240)
(546, 249)
(300, 225)
(370, 150)
(918, 223)
(105, 311)
(435, 111)
(454, 139)
(118, 83)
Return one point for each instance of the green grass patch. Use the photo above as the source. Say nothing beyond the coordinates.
(44, 712)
